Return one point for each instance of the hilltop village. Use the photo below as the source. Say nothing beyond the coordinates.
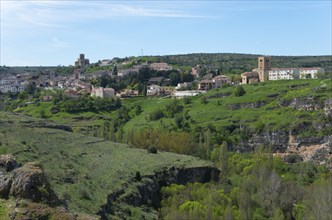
(155, 78)
(111, 133)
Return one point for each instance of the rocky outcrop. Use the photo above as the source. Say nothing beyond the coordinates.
(313, 149)
(7, 163)
(247, 105)
(328, 108)
(278, 140)
(53, 126)
(306, 103)
(147, 191)
(26, 182)
(302, 103)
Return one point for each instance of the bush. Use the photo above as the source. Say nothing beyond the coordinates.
(138, 176)
(156, 115)
(239, 91)
(173, 108)
(42, 113)
(187, 100)
(54, 110)
(293, 158)
(152, 150)
(204, 100)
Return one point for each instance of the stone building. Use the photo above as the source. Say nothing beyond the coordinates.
(81, 61)
(264, 65)
(250, 77)
(102, 92)
(264, 72)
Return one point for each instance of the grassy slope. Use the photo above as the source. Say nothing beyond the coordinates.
(96, 167)
(218, 113)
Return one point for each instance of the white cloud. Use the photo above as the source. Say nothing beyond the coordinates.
(59, 13)
(59, 43)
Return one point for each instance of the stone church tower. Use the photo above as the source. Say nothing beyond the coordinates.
(264, 65)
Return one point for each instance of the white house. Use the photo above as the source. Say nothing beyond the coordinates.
(284, 73)
(153, 90)
(310, 73)
(183, 85)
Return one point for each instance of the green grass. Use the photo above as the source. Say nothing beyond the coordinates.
(3, 210)
(95, 167)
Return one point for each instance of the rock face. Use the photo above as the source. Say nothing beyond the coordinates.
(328, 108)
(246, 105)
(7, 163)
(306, 103)
(26, 182)
(147, 191)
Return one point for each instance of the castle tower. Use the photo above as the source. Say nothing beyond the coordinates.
(81, 61)
(264, 65)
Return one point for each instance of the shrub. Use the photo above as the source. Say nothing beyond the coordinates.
(204, 100)
(54, 110)
(152, 150)
(156, 115)
(138, 176)
(187, 100)
(239, 91)
(293, 158)
(173, 108)
(42, 113)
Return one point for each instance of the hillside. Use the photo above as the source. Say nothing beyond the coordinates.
(226, 63)
(276, 113)
(238, 63)
(82, 170)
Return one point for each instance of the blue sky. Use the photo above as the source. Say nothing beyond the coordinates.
(55, 32)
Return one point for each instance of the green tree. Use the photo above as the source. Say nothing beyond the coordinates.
(23, 95)
(138, 109)
(115, 71)
(31, 87)
(223, 160)
(239, 91)
(42, 113)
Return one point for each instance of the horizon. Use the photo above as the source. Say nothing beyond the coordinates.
(34, 34)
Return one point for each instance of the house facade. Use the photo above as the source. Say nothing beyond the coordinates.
(284, 74)
(160, 66)
(102, 92)
(205, 84)
(12, 85)
(310, 73)
(220, 79)
(153, 90)
(250, 77)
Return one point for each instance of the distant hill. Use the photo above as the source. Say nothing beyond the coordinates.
(238, 63)
(225, 62)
